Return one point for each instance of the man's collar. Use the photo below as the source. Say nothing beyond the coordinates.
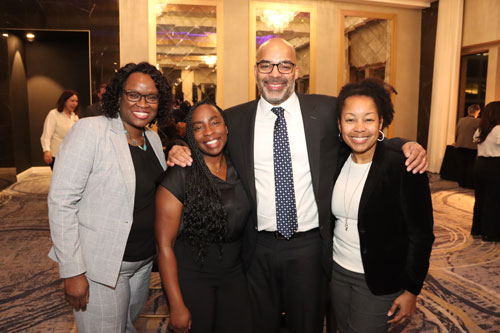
(288, 105)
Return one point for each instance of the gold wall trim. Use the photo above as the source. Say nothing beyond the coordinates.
(479, 48)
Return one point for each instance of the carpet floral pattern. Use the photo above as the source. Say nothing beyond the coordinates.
(461, 292)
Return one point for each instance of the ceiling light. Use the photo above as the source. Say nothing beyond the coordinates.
(277, 20)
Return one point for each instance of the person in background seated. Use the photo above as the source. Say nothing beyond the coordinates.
(101, 202)
(486, 220)
(201, 214)
(57, 123)
(466, 147)
(383, 218)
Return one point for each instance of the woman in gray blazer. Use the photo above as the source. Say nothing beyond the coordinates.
(383, 218)
(101, 202)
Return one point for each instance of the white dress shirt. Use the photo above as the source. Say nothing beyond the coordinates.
(490, 147)
(307, 210)
(56, 125)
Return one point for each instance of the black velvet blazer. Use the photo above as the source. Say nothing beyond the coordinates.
(395, 224)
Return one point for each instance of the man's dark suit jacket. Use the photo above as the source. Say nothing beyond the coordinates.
(320, 125)
(394, 223)
(92, 110)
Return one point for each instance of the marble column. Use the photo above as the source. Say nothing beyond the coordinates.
(445, 81)
(137, 31)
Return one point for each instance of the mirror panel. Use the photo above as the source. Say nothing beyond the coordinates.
(186, 49)
(367, 47)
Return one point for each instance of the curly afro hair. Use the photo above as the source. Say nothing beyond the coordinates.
(377, 89)
(204, 218)
(114, 90)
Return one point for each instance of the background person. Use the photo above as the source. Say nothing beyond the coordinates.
(95, 109)
(466, 147)
(57, 123)
(383, 218)
(486, 221)
(201, 215)
(101, 202)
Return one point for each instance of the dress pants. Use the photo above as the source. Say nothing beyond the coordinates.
(486, 221)
(286, 276)
(113, 310)
(353, 306)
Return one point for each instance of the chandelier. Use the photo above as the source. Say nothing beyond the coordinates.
(210, 60)
(277, 20)
(160, 8)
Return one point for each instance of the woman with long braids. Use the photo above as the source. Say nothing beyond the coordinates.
(201, 215)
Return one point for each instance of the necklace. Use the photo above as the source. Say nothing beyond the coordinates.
(346, 210)
(134, 141)
(222, 164)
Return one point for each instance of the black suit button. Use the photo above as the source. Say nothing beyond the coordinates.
(365, 251)
(362, 231)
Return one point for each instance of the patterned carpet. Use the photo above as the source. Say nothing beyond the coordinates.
(461, 292)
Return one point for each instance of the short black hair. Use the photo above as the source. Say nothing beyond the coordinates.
(114, 90)
(377, 89)
(66, 94)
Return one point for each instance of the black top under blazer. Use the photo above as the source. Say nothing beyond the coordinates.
(395, 224)
(319, 114)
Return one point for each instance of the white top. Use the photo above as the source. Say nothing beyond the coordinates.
(56, 125)
(491, 146)
(307, 210)
(345, 201)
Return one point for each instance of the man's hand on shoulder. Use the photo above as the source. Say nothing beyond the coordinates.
(179, 155)
(416, 157)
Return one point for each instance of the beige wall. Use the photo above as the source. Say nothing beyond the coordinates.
(481, 22)
(236, 50)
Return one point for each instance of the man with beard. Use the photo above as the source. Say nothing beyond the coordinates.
(288, 244)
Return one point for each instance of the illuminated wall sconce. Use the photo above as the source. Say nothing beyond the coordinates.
(5, 34)
(277, 20)
(30, 36)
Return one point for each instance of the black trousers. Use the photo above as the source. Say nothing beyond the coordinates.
(286, 276)
(486, 220)
(465, 166)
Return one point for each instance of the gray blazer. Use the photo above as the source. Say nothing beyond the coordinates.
(91, 199)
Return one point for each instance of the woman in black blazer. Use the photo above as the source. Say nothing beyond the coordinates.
(383, 218)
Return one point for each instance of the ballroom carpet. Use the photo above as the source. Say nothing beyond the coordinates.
(461, 292)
